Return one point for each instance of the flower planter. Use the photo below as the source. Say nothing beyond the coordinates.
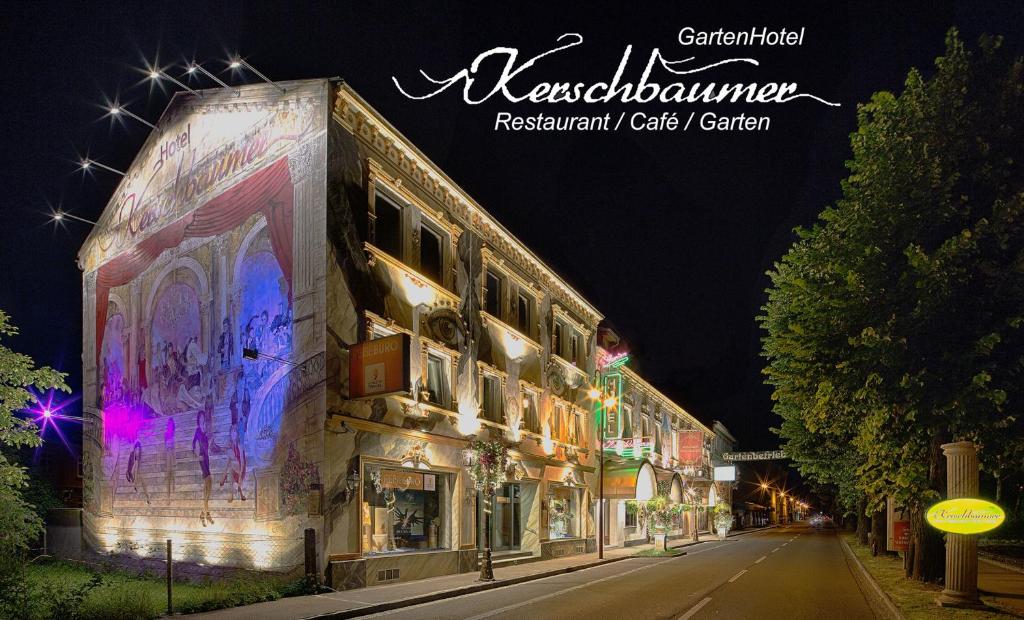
(722, 533)
(661, 541)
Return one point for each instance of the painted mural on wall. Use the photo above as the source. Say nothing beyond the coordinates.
(190, 266)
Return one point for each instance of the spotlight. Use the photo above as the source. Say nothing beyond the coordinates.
(238, 63)
(593, 393)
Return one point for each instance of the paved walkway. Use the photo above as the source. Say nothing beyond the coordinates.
(1002, 585)
(351, 603)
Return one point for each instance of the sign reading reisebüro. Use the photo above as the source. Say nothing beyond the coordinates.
(379, 367)
(965, 515)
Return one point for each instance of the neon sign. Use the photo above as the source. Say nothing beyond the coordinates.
(965, 515)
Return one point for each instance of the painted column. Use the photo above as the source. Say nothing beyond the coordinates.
(961, 549)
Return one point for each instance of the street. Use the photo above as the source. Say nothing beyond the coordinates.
(788, 572)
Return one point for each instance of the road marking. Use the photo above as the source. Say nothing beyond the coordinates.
(737, 575)
(775, 549)
(537, 599)
(761, 559)
(695, 609)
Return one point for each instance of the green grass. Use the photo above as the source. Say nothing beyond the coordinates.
(915, 600)
(125, 596)
(658, 553)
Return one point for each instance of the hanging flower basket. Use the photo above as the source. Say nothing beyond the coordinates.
(489, 465)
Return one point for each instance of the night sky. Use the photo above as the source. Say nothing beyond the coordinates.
(668, 234)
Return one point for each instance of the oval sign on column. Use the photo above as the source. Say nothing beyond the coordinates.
(965, 515)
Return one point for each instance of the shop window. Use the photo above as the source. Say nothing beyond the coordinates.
(431, 254)
(564, 512)
(388, 226)
(492, 302)
(492, 398)
(405, 509)
(438, 385)
(523, 315)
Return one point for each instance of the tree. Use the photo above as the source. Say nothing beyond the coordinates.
(896, 323)
(19, 523)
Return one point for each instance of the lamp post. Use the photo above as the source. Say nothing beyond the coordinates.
(488, 467)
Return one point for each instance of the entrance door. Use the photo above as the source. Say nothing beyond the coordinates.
(506, 520)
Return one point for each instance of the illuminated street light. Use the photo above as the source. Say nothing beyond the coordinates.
(239, 63)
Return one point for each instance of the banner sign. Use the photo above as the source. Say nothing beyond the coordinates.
(401, 479)
(379, 367)
(691, 448)
(965, 515)
(900, 535)
(764, 455)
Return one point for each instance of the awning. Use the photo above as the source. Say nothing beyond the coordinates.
(633, 481)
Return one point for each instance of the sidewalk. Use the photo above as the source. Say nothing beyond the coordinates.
(1001, 585)
(364, 601)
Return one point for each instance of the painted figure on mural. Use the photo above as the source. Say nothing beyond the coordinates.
(236, 464)
(134, 472)
(201, 440)
(169, 456)
(226, 345)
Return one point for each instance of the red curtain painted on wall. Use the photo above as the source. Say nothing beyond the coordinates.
(691, 448)
(269, 191)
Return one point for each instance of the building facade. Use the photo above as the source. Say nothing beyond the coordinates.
(259, 237)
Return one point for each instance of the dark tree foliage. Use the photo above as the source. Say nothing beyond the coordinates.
(896, 323)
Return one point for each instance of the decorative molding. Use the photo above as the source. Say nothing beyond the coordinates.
(359, 118)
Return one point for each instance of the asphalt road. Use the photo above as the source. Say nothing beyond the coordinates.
(792, 572)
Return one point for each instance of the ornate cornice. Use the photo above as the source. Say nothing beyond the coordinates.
(363, 121)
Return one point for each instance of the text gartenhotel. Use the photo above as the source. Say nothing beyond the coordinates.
(514, 85)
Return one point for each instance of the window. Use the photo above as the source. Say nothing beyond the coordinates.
(388, 226)
(630, 517)
(574, 428)
(492, 398)
(556, 341)
(564, 513)
(530, 418)
(493, 299)
(431, 254)
(646, 427)
(574, 348)
(558, 430)
(405, 509)
(523, 314)
(437, 381)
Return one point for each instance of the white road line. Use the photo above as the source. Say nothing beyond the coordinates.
(531, 601)
(775, 549)
(695, 609)
(737, 575)
(761, 559)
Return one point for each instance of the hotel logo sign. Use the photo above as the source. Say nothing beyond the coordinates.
(965, 515)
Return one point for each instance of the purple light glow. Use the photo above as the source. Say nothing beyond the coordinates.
(46, 414)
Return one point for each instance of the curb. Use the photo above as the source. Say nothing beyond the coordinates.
(454, 592)
(862, 576)
(1006, 565)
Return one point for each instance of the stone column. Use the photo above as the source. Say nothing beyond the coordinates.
(961, 585)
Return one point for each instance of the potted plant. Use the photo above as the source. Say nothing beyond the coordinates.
(661, 514)
(723, 519)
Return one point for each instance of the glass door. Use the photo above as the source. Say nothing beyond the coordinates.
(506, 519)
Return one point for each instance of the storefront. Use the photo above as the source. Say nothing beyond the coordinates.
(625, 484)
